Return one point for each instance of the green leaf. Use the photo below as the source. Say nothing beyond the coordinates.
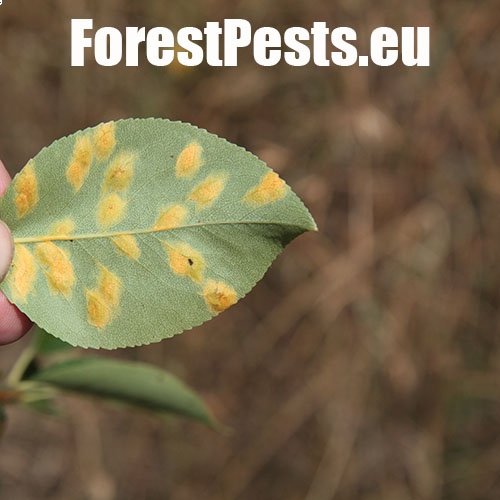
(131, 232)
(135, 384)
(45, 344)
(43, 406)
(41, 344)
(37, 397)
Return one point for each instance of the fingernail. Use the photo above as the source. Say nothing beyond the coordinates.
(6, 249)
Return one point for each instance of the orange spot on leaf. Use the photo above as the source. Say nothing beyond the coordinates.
(104, 140)
(57, 267)
(219, 296)
(189, 160)
(98, 312)
(79, 166)
(127, 244)
(103, 301)
(110, 287)
(171, 217)
(119, 174)
(270, 189)
(207, 191)
(110, 210)
(187, 261)
(26, 187)
(22, 273)
(63, 228)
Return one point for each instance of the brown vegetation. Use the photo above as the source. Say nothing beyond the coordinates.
(366, 364)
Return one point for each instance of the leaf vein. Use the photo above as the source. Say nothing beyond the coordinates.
(72, 237)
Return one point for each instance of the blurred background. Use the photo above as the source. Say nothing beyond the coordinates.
(366, 364)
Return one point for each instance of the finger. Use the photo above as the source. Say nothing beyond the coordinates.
(4, 179)
(6, 250)
(13, 323)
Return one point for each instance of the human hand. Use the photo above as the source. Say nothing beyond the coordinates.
(13, 323)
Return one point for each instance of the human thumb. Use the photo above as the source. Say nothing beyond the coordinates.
(6, 250)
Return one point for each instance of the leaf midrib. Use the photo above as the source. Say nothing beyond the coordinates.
(73, 237)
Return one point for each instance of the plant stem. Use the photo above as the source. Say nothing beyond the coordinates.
(16, 373)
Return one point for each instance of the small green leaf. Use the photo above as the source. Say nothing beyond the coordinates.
(130, 232)
(41, 344)
(135, 384)
(43, 406)
(37, 397)
(45, 344)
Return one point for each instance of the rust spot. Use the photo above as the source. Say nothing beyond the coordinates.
(98, 312)
(219, 296)
(110, 287)
(57, 267)
(120, 173)
(110, 210)
(185, 260)
(170, 218)
(127, 244)
(26, 188)
(208, 191)
(189, 161)
(104, 140)
(22, 274)
(79, 166)
(63, 228)
(270, 189)
(103, 301)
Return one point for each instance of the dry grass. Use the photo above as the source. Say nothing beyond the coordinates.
(366, 364)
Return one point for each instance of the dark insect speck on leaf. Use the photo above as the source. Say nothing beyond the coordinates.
(190, 262)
